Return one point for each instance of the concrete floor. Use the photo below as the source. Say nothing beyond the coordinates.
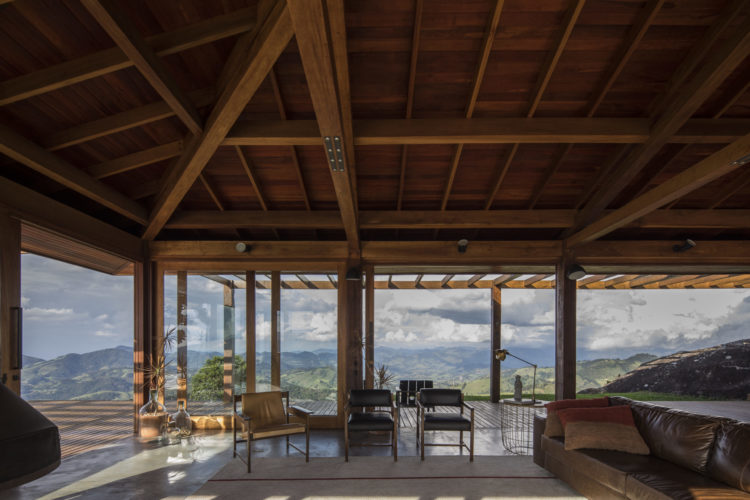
(128, 469)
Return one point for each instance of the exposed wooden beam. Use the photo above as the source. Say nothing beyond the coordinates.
(332, 280)
(700, 174)
(484, 55)
(386, 132)
(309, 284)
(682, 105)
(504, 278)
(731, 190)
(136, 160)
(410, 94)
(292, 149)
(695, 56)
(653, 178)
(699, 280)
(534, 279)
(625, 51)
(37, 209)
(26, 152)
(591, 279)
(257, 53)
(571, 16)
(453, 219)
(418, 280)
(111, 60)
(120, 121)
(501, 176)
(322, 47)
(446, 279)
(659, 254)
(547, 175)
(211, 192)
(602, 175)
(471, 281)
(121, 29)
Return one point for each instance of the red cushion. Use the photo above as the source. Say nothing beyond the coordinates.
(612, 414)
(577, 403)
(553, 428)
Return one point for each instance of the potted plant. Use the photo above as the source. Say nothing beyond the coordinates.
(153, 415)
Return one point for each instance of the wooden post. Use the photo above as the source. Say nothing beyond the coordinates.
(565, 333)
(10, 302)
(343, 344)
(250, 330)
(496, 343)
(182, 336)
(145, 313)
(275, 331)
(354, 327)
(228, 343)
(370, 327)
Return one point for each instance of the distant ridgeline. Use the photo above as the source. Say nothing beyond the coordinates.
(721, 371)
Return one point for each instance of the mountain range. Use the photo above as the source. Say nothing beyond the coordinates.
(107, 373)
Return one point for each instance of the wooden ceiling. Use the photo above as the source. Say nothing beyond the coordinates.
(491, 120)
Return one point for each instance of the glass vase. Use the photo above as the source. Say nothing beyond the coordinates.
(181, 419)
(153, 418)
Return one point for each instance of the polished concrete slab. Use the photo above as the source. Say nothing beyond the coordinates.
(128, 469)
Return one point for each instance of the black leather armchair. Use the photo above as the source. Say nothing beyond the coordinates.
(371, 419)
(444, 421)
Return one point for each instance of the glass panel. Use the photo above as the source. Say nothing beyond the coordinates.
(309, 338)
(263, 337)
(170, 329)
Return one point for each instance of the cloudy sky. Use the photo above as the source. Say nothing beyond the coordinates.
(69, 309)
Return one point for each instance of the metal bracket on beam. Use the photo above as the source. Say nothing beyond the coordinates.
(335, 153)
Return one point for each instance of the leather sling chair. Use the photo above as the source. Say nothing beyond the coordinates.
(444, 421)
(264, 416)
(371, 419)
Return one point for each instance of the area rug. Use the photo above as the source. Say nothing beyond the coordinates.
(438, 477)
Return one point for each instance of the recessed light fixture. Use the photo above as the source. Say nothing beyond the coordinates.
(685, 246)
(463, 243)
(242, 247)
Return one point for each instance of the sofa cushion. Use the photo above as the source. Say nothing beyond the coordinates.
(678, 485)
(580, 462)
(610, 428)
(682, 438)
(730, 459)
(446, 422)
(371, 421)
(553, 427)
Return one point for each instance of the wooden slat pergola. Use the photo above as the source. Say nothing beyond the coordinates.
(329, 136)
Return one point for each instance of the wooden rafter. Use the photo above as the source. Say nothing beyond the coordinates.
(489, 39)
(111, 60)
(126, 36)
(682, 105)
(700, 174)
(410, 94)
(257, 53)
(446, 279)
(695, 56)
(471, 281)
(534, 279)
(26, 152)
(653, 178)
(547, 175)
(136, 160)
(418, 280)
(453, 219)
(625, 52)
(211, 192)
(591, 279)
(731, 190)
(504, 278)
(292, 149)
(603, 174)
(322, 49)
(387, 132)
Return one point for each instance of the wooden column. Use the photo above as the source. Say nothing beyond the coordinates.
(369, 327)
(495, 344)
(182, 336)
(10, 302)
(228, 343)
(565, 333)
(343, 344)
(275, 331)
(146, 314)
(354, 328)
(250, 330)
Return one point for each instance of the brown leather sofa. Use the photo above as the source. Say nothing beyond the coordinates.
(692, 457)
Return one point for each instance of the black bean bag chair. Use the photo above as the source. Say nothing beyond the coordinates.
(29, 441)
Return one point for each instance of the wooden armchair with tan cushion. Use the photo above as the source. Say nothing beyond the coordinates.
(263, 415)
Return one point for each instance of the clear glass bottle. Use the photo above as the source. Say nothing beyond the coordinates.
(181, 420)
(153, 418)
